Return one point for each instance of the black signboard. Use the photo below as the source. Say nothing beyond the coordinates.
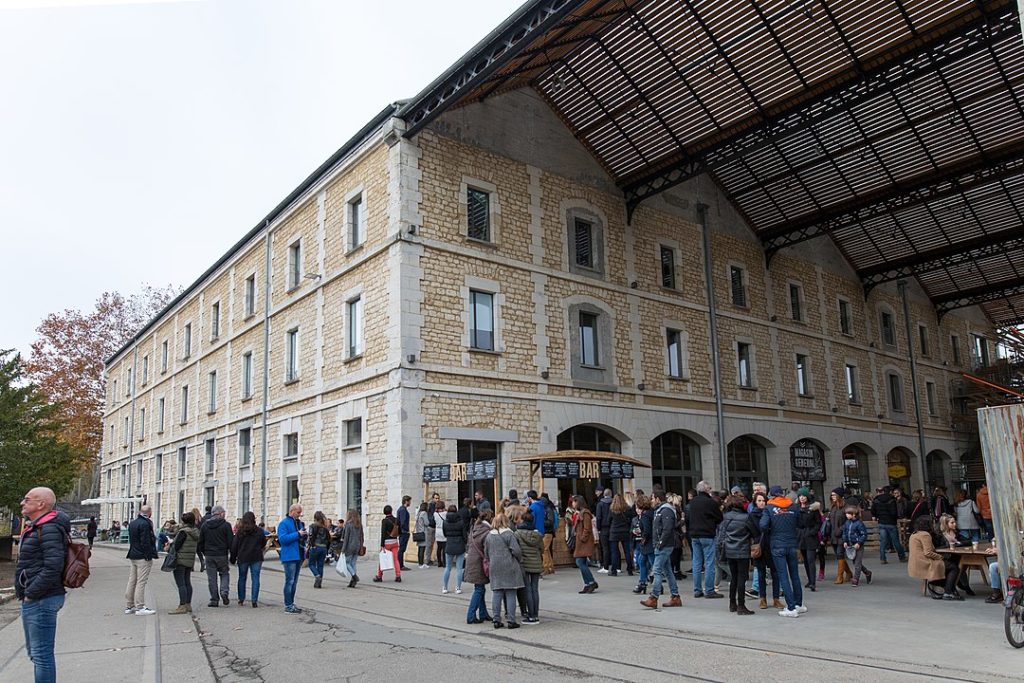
(807, 461)
(435, 473)
(586, 469)
(481, 469)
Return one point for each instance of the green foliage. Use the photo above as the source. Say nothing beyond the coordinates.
(31, 453)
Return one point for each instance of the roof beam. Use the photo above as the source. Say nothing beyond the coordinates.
(959, 178)
(973, 32)
(950, 256)
(979, 295)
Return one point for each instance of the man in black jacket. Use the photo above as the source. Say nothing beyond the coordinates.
(403, 529)
(215, 543)
(885, 510)
(141, 553)
(603, 517)
(664, 539)
(702, 524)
(38, 577)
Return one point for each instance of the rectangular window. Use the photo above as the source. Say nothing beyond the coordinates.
(138, 475)
(895, 392)
(980, 351)
(160, 414)
(181, 461)
(922, 335)
(795, 309)
(210, 449)
(145, 370)
(124, 435)
(355, 327)
(244, 447)
(294, 264)
(112, 441)
(674, 349)
(128, 384)
(668, 267)
(588, 340)
(124, 478)
(247, 375)
(356, 220)
(184, 404)
(481, 320)
(929, 388)
(291, 446)
(292, 488)
(159, 467)
(250, 296)
(211, 401)
(354, 432)
(584, 238)
(739, 290)
(803, 375)
(113, 392)
(291, 366)
(354, 480)
(142, 423)
(888, 329)
(163, 356)
(187, 343)
(845, 317)
(478, 214)
(746, 376)
(852, 384)
(110, 481)
(954, 344)
(245, 499)
(215, 320)
(208, 496)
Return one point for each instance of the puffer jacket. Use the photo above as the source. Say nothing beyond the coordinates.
(810, 525)
(783, 522)
(475, 554)
(737, 530)
(531, 543)
(41, 557)
(185, 544)
(455, 531)
(855, 533)
(621, 522)
(247, 547)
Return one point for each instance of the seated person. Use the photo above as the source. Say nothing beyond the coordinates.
(924, 562)
(949, 538)
(994, 579)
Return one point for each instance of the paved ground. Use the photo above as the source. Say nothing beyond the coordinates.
(409, 631)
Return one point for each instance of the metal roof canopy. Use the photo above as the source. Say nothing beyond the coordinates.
(895, 127)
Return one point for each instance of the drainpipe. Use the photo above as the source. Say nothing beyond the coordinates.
(266, 375)
(131, 432)
(723, 462)
(902, 284)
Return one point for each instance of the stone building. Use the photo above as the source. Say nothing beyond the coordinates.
(476, 292)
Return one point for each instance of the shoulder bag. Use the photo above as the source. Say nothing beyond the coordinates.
(170, 559)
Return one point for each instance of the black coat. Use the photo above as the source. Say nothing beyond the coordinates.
(620, 526)
(141, 539)
(41, 559)
(455, 532)
(705, 516)
(884, 510)
(810, 525)
(247, 548)
(215, 538)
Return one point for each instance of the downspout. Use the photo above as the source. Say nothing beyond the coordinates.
(723, 462)
(131, 432)
(902, 284)
(266, 375)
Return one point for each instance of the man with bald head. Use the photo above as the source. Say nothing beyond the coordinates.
(291, 534)
(141, 553)
(39, 580)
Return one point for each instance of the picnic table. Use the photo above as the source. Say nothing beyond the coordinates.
(971, 558)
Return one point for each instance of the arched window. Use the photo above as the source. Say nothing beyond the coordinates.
(675, 459)
(937, 470)
(856, 476)
(747, 463)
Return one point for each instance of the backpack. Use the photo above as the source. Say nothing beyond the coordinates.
(394, 529)
(76, 558)
(549, 519)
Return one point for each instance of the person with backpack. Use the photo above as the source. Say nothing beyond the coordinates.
(389, 530)
(39, 577)
(550, 527)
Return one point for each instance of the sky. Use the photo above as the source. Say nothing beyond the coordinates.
(140, 139)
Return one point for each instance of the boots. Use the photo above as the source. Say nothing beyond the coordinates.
(318, 582)
(778, 604)
(650, 601)
(352, 582)
(741, 610)
(182, 609)
(674, 601)
(763, 604)
(842, 571)
(640, 589)
(732, 605)
(996, 596)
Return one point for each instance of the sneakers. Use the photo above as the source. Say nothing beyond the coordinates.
(855, 583)
(821, 576)
(213, 603)
(458, 591)
(792, 613)
(292, 609)
(144, 611)
(444, 591)
(513, 624)
(424, 566)
(800, 609)
(531, 621)
(129, 610)
(751, 594)
(867, 575)
(602, 570)
(589, 588)
(713, 594)
(884, 561)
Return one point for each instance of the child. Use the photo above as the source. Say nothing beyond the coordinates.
(855, 534)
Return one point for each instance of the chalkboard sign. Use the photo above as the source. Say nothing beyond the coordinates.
(560, 469)
(481, 469)
(807, 461)
(586, 469)
(436, 473)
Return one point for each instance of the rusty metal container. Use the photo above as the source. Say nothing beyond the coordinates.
(1002, 446)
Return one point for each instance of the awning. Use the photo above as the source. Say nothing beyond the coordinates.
(582, 455)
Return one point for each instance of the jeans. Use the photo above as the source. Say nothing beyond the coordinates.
(755, 582)
(460, 562)
(974, 534)
(183, 580)
(138, 575)
(39, 619)
(627, 550)
(317, 556)
(217, 566)
(506, 596)
(762, 565)
(588, 576)
(249, 569)
(478, 603)
(350, 563)
(788, 569)
(645, 564)
(403, 543)
(703, 565)
(291, 579)
(809, 568)
(988, 531)
(663, 570)
(532, 594)
(993, 576)
(888, 534)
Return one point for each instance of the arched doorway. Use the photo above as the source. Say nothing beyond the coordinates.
(586, 438)
(856, 474)
(747, 462)
(938, 465)
(807, 464)
(897, 468)
(675, 459)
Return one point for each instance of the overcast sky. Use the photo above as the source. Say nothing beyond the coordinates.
(140, 139)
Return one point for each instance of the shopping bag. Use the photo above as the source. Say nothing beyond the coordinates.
(342, 568)
(387, 561)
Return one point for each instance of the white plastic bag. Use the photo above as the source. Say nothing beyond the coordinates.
(387, 561)
(341, 566)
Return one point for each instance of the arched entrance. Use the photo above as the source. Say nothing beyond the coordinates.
(586, 438)
(747, 462)
(856, 474)
(938, 467)
(675, 459)
(807, 464)
(897, 467)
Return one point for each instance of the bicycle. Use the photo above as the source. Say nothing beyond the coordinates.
(1013, 618)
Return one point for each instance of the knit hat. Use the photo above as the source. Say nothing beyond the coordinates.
(735, 490)
(839, 491)
(804, 491)
(775, 491)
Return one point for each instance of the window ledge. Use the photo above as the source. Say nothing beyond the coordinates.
(751, 387)
(670, 290)
(245, 466)
(249, 317)
(211, 412)
(742, 307)
(685, 377)
(292, 288)
(290, 458)
(486, 352)
(358, 247)
(246, 399)
(482, 243)
(592, 367)
(856, 403)
(353, 359)
(159, 431)
(847, 334)
(214, 338)
(351, 446)
(289, 382)
(805, 395)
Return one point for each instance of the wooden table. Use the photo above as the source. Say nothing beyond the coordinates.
(971, 558)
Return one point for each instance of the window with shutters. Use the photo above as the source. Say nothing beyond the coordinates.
(668, 267)
(583, 235)
(586, 243)
(845, 317)
(796, 307)
(478, 214)
(738, 285)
